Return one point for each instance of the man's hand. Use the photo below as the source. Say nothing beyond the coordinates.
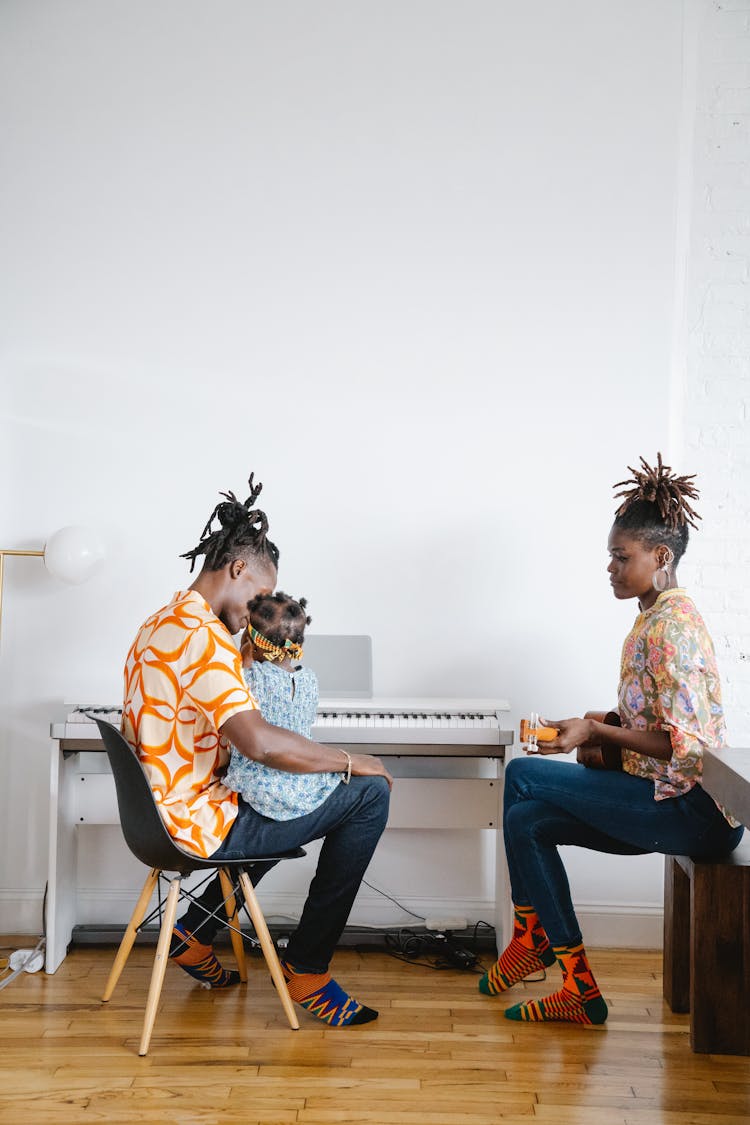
(367, 765)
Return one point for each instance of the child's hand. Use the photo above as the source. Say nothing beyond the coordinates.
(246, 650)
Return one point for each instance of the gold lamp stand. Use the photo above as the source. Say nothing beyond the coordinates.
(3, 553)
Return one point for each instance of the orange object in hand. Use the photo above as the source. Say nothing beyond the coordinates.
(540, 734)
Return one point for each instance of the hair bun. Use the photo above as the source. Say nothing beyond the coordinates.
(240, 526)
(662, 487)
(231, 513)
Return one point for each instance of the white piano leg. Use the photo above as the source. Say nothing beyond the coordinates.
(503, 902)
(63, 859)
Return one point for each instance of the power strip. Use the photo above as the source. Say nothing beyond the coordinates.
(440, 923)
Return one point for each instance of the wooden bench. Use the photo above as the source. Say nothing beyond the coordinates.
(707, 948)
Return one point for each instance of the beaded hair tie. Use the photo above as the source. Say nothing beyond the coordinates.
(272, 651)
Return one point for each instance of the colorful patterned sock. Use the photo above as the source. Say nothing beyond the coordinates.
(199, 960)
(578, 1001)
(528, 952)
(321, 995)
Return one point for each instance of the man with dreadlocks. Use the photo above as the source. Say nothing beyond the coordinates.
(185, 701)
(636, 787)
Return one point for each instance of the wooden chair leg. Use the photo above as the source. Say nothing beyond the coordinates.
(269, 949)
(231, 908)
(160, 963)
(129, 936)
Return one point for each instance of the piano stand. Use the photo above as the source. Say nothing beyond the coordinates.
(82, 792)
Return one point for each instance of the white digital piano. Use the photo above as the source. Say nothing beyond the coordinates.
(446, 756)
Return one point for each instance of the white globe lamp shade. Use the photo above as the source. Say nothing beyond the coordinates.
(73, 553)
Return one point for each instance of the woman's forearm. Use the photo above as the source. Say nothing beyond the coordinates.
(653, 743)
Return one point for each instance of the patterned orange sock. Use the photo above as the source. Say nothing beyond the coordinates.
(528, 952)
(200, 961)
(578, 1001)
(325, 998)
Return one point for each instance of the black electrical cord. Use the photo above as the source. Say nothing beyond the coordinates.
(390, 898)
(431, 951)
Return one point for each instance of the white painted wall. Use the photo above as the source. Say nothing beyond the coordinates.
(414, 264)
(717, 385)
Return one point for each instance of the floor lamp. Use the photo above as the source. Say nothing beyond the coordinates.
(71, 554)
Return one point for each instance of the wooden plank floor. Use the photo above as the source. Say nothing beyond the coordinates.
(440, 1054)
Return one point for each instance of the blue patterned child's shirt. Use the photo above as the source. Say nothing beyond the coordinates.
(290, 700)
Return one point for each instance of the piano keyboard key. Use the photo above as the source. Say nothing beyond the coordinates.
(361, 723)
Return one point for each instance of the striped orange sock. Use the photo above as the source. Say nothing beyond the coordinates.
(578, 1001)
(200, 961)
(528, 952)
(325, 998)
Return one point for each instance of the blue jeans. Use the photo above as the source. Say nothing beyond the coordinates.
(549, 803)
(350, 822)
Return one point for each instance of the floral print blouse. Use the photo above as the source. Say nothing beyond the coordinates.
(669, 681)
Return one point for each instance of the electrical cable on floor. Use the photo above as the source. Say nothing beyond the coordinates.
(432, 951)
(24, 960)
(442, 951)
(27, 960)
(447, 952)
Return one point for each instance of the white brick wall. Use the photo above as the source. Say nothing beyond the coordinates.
(716, 406)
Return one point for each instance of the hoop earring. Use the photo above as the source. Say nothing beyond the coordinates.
(660, 584)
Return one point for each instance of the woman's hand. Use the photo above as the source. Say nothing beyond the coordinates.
(587, 738)
(596, 754)
(573, 733)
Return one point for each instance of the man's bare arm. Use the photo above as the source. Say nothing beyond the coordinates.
(281, 749)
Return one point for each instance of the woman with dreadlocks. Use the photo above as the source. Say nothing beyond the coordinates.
(287, 694)
(636, 787)
(185, 702)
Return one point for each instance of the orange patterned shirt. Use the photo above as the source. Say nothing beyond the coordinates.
(183, 680)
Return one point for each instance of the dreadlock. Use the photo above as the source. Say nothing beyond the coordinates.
(656, 506)
(243, 531)
(279, 617)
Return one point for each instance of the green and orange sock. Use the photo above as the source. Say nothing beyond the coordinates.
(578, 1001)
(320, 994)
(528, 952)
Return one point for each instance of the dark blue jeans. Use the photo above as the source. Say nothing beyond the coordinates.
(549, 803)
(350, 822)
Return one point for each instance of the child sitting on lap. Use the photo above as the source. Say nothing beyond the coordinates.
(287, 694)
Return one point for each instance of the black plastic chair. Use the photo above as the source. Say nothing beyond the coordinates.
(149, 841)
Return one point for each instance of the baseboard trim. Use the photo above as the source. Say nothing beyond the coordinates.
(621, 927)
(361, 936)
(610, 925)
